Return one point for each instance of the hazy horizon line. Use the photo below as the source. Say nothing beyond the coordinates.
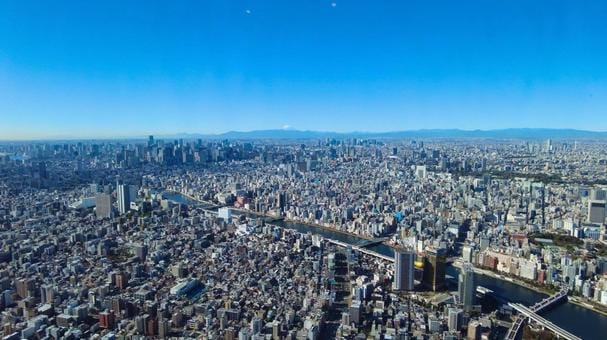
(186, 135)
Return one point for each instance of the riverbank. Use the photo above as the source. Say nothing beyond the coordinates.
(190, 197)
(320, 226)
(457, 264)
(309, 224)
(576, 300)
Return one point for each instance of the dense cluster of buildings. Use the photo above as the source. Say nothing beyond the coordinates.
(180, 239)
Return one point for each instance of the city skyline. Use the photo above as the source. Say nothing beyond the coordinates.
(529, 134)
(322, 65)
(330, 238)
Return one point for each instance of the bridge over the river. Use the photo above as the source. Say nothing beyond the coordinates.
(531, 313)
(370, 243)
(361, 249)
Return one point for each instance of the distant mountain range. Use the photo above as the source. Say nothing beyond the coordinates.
(515, 133)
(285, 134)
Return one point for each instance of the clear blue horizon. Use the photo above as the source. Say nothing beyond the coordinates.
(115, 68)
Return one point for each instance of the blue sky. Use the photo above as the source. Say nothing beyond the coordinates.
(120, 68)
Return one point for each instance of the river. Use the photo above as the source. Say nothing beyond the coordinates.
(580, 321)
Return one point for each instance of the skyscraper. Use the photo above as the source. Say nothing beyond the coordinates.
(596, 206)
(103, 205)
(124, 198)
(282, 200)
(467, 253)
(47, 294)
(403, 270)
(466, 286)
(355, 309)
(434, 269)
(421, 172)
(455, 319)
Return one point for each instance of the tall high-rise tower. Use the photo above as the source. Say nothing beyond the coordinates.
(103, 203)
(466, 286)
(596, 206)
(124, 198)
(435, 262)
(403, 270)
